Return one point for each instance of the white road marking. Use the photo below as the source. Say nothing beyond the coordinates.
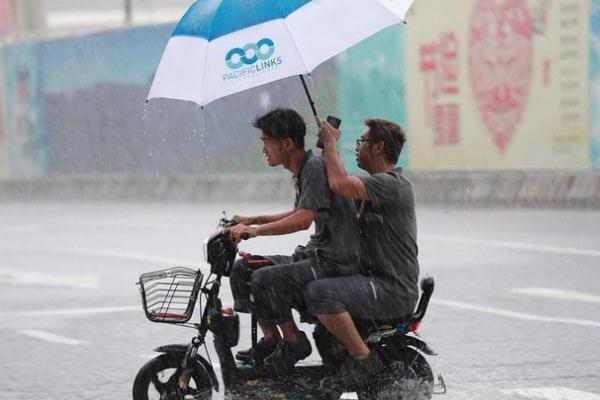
(14, 277)
(21, 229)
(514, 245)
(69, 312)
(552, 393)
(128, 225)
(129, 256)
(515, 315)
(50, 337)
(114, 254)
(558, 294)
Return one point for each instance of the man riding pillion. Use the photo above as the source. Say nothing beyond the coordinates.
(387, 287)
(333, 250)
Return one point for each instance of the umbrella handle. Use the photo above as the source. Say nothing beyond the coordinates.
(310, 100)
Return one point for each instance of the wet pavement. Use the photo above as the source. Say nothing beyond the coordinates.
(515, 313)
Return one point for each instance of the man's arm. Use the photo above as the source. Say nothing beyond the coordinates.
(339, 181)
(262, 219)
(298, 220)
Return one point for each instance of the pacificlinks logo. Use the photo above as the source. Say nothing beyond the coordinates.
(251, 59)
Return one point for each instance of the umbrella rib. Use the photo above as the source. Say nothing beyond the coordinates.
(208, 42)
(287, 28)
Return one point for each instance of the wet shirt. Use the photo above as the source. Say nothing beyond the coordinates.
(337, 237)
(389, 233)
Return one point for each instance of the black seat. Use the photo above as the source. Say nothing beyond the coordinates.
(427, 285)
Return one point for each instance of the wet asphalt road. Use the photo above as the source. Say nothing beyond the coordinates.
(515, 313)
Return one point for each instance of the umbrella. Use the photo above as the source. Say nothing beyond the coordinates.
(221, 47)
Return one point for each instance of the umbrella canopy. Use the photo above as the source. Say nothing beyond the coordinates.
(221, 47)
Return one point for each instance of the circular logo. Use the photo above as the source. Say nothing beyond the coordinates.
(250, 53)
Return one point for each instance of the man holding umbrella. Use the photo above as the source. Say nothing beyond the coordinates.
(333, 250)
(387, 287)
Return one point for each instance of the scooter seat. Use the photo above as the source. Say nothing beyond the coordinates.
(255, 262)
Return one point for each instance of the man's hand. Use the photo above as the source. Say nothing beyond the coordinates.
(328, 134)
(240, 219)
(241, 232)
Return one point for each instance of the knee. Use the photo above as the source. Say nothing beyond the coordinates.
(314, 291)
(261, 279)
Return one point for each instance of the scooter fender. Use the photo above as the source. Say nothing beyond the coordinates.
(418, 344)
(182, 348)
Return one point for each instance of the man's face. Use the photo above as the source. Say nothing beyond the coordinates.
(272, 149)
(363, 153)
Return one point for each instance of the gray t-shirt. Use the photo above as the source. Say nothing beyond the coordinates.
(389, 232)
(337, 237)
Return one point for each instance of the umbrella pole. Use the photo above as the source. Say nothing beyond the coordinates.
(310, 100)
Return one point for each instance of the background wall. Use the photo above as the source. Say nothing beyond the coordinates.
(492, 85)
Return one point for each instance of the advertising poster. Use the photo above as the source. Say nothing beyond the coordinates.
(594, 105)
(370, 83)
(498, 84)
(24, 120)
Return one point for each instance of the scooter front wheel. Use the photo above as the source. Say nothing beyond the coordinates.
(159, 379)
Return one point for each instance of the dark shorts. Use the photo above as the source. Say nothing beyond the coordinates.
(361, 296)
(279, 288)
(240, 281)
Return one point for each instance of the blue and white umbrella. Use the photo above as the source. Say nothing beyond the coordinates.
(221, 47)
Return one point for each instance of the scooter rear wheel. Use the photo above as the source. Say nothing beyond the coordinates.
(408, 378)
(159, 378)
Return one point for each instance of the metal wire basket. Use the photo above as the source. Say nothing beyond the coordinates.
(170, 295)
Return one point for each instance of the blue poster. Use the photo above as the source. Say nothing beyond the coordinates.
(594, 103)
(24, 118)
(370, 82)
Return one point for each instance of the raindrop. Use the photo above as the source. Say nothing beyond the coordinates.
(264, 100)
(145, 112)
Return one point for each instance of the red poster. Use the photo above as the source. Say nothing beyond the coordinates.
(439, 61)
(5, 17)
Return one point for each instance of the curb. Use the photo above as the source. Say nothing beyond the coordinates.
(532, 189)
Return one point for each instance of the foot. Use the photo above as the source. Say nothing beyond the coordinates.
(263, 349)
(287, 354)
(353, 374)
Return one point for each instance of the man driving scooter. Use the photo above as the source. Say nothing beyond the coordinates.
(387, 287)
(332, 251)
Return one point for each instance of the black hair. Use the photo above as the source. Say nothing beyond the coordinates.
(390, 133)
(282, 123)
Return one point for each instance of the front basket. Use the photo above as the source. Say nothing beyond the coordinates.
(170, 295)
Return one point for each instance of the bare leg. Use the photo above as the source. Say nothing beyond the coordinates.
(342, 327)
(271, 333)
(290, 331)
